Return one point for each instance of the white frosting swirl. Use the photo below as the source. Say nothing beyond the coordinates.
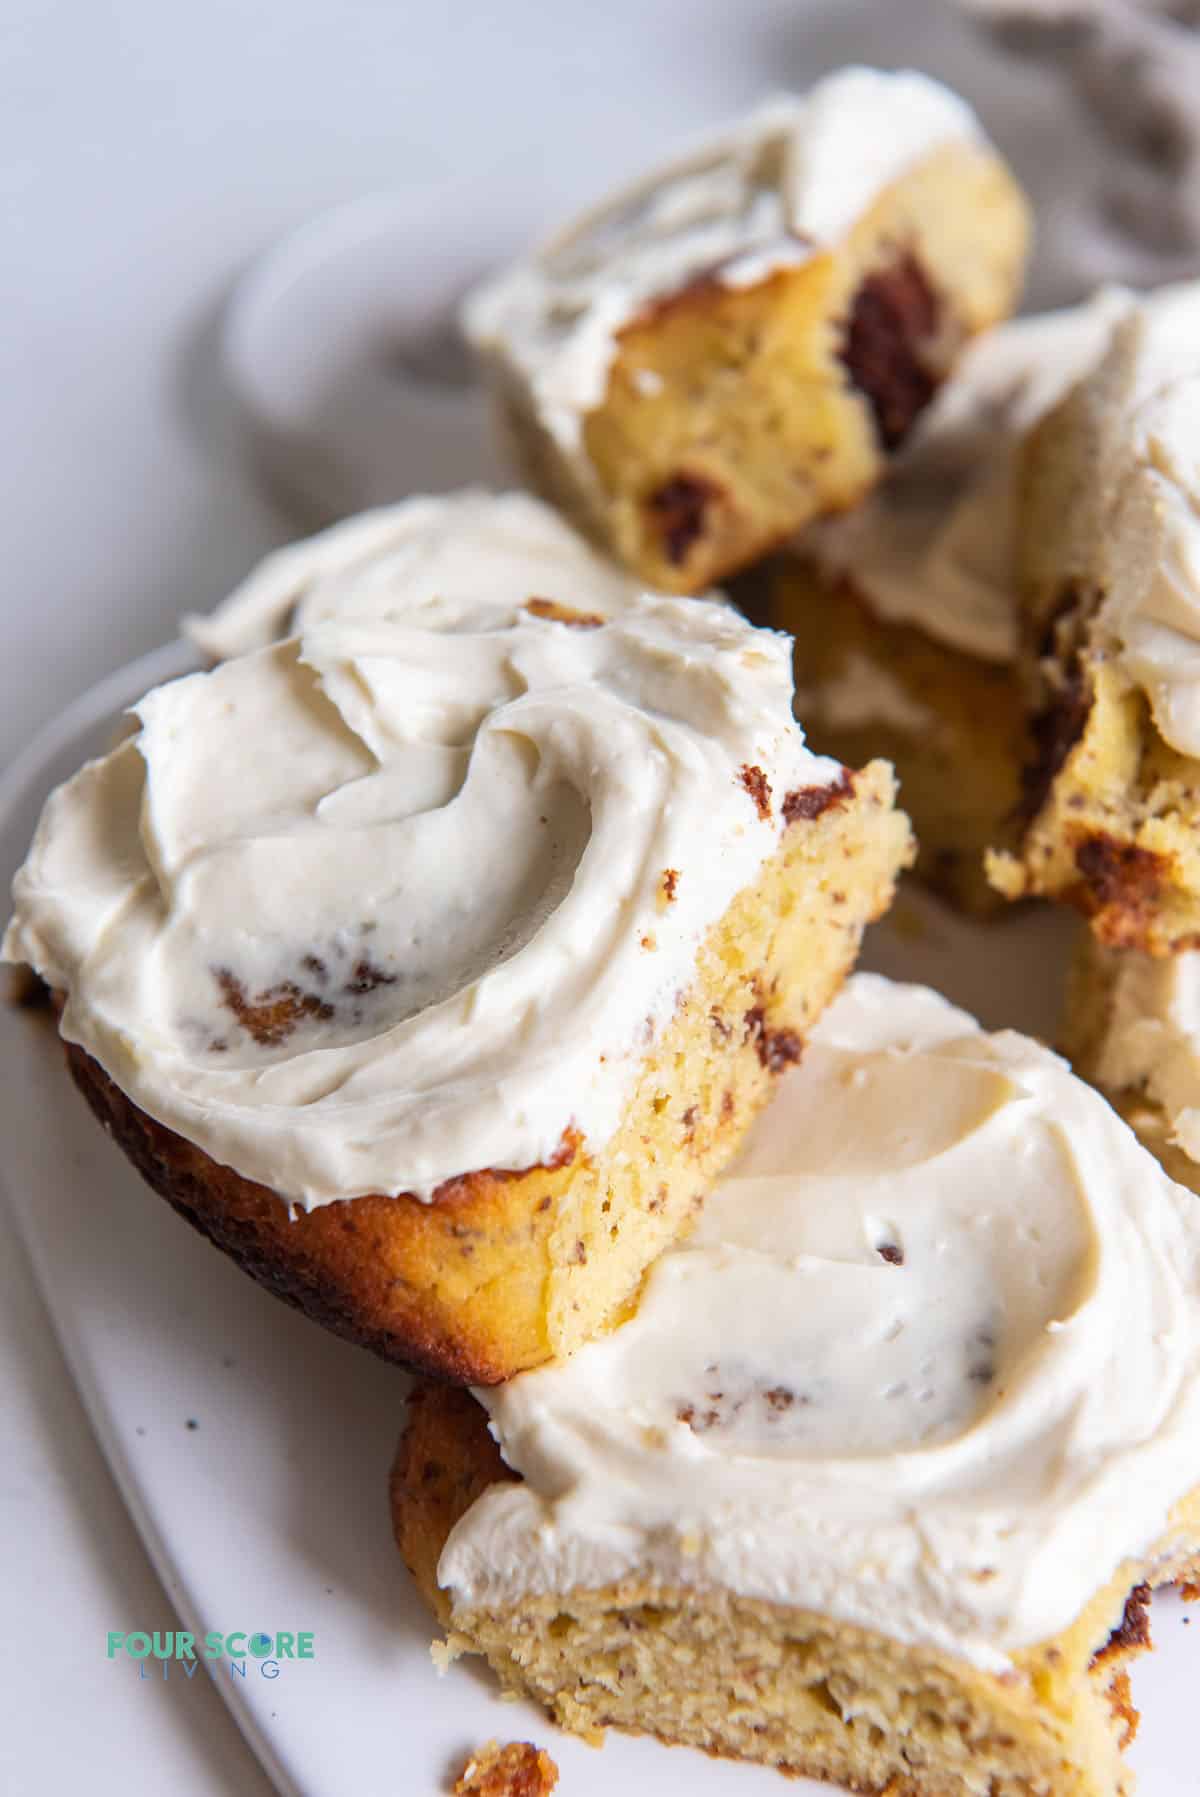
(382, 904)
(929, 1363)
(781, 186)
(438, 552)
(934, 544)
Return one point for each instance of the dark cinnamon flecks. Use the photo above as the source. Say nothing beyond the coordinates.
(718, 1407)
(777, 1048)
(1054, 732)
(366, 977)
(556, 613)
(783, 1049)
(892, 1252)
(810, 802)
(706, 1419)
(759, 788)
(1058, 725)
(892, 323)
(677, 512)
(271, 1015)
(981, 1364)
(1132, 1633)
(670, 882)
(1119, 873)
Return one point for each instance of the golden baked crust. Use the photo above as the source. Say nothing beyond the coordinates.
(786, 1687)
(504, 1270)
(735, 415)
(514, 1769)
(446, 1459)
(954, 730)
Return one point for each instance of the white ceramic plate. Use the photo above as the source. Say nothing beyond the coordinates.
(341, 352)
(253, 1450)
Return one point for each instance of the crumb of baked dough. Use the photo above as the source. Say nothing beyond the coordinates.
(514, 1769)
(730, 414)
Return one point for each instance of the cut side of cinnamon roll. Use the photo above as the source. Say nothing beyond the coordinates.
(737, 344)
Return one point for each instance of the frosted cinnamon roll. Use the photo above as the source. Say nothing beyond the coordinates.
(872, 1484)
(433, 966)
(737, 343)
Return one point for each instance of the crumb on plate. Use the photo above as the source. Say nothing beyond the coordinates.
(517, 1769)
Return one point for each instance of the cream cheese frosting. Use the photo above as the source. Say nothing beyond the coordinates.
(381, 904)
(1152, 1036)
(1146, 486)
(435, 551)
(783, 185)
(929, 1363)
(934, 544)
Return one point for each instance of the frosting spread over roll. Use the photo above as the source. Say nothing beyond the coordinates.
(929, 1363)
(1145, 480)
(934, 544)
(432, 552)
(1152, 1035)
(778, 188)
(383, 904)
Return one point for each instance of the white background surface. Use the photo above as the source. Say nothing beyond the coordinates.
(147, 151)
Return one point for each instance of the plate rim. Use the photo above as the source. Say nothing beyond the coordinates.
(109, 698)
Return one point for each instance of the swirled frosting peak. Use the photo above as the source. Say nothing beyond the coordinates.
(382, 904)
(929, 1363)
(428, 555)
